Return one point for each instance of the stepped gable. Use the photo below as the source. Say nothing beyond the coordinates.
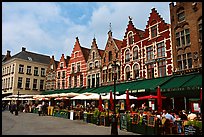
(153, 19)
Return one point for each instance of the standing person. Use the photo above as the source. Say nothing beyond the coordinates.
(39, 109)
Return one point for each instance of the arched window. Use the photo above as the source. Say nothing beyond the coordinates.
(136, 71)
(135, 53)
(127, 56)
(90, 66)
(127, 72)
(130, 38)
(109, 55)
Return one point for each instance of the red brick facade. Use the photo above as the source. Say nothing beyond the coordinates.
(77, 67)
(61, 73)
(147, 54)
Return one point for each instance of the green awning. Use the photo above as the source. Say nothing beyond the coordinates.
(183, 82)
(86, 90)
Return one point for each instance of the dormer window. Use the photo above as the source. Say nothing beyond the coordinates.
(61, 65)
(90, 66)
(51, 67)
(154, 31)
(29, 58)
(130, 38)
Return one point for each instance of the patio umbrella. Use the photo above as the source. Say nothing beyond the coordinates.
(149, 97)
(111, 101)
(100, 108)
(159, 99)
(127, 100)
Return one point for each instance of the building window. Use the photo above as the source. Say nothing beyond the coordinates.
(90, 66)
(75, 81)
(51, 67)
(73, 66)
(181, 15)
(110, 74)
(109, 55)
(21, 69)
(136, 71)
(27, 83)
(130, 38)
(81, 80)
(135, 53)
(184, 61)
(89, 82)
(13, 68)
(42, 72)
(96, 64)
(61, 65)
(70, 82)
(63, 74)
(127, 72)
(154, 31)
(63, 84)
(8, 83)
(78, 67)
(28, 69)
(93, 81)
(104, 76)
(93, 55)
(183, 38)
(160, 50)
(35, 84)
(35, 71)
(150, 71)
(58, 84)
(162, 68)
(20, 79)
(200, 30)
(127, 56)
(97, 80)
(41, 84)
(58, 75)
(150, 54)
(11, 86)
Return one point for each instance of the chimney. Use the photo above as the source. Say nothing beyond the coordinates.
(52, 56)
(23, 49)
(8, 53)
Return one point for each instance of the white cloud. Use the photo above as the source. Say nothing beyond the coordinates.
(42, 28)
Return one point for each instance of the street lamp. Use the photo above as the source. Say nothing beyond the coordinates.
(16, 111)
(114, 129)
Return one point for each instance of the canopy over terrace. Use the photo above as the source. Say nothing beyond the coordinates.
(183, 86)
(133, 86)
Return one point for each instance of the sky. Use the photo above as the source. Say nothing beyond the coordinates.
(51, 28)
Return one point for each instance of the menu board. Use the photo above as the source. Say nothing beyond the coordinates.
(151, 121)
(136, 118)
(190, 130)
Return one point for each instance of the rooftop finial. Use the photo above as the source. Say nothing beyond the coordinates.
(110, 26)
(130, 18)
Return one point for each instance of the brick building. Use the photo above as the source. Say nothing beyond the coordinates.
(61, 72)
(77, 66)
(51, 74)
(186, 31)
(94, 66)
(147, 54)
(111, 53)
